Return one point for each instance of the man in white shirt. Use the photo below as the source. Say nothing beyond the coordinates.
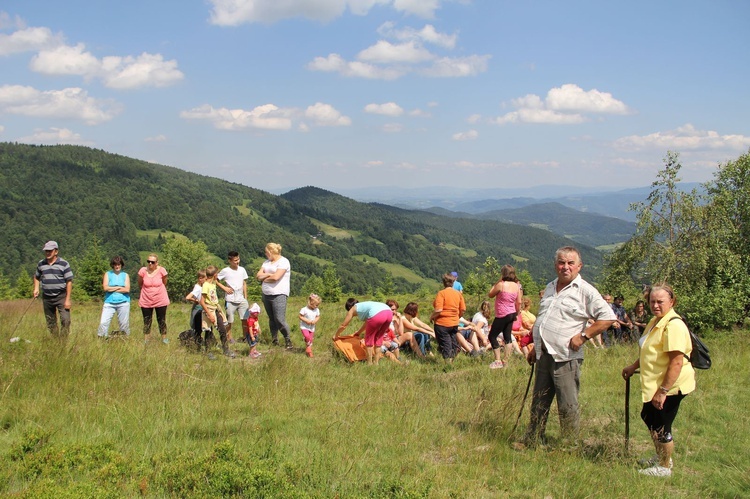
(234, 277)
(561, 328)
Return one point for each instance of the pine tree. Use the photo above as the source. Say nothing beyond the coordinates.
(331, 285)
(24, 285)
(6, 290)
(91, 268)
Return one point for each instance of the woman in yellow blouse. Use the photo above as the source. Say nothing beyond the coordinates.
(666, 375)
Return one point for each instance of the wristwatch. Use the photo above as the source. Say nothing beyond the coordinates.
(585, 338)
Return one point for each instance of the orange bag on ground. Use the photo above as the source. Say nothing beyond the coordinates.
(352, 347)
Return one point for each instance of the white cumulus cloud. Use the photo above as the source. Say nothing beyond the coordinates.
(145, 70)
(55, 136)
(237, 12)
(568, 104)
(686, 137)
(384, 52)
(268, 117)
(571, 97)
(387, 109)
(55, 57)
(28, 40)
(326, 115)
(336, 64)
(452, 67)
(398, 65)
(388, 60)
(420, 8)
(467, 135)
(420, 113)
(427, 34)
(66, 60)
(69, 103)
(156, 138)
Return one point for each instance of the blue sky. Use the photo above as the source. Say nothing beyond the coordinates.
(412, 93)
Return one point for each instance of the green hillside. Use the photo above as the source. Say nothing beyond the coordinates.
(585, 228)
(431, 244)
(72, 193)
(601, 231)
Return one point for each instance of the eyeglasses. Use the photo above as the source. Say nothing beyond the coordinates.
(151, 261)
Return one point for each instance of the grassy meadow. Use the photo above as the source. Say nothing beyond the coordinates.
(117, 418)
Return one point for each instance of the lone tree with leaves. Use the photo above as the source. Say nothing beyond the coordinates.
(183, 259)
(691, 242)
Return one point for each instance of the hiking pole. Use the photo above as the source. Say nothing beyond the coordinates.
(523, 403)
(22, 316)
(627, 412)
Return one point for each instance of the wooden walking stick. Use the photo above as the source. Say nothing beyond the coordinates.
(523, 403)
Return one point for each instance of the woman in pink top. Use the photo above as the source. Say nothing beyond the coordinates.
(152, 280)
(508, 295)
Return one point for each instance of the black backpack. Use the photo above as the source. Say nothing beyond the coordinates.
(699, 357)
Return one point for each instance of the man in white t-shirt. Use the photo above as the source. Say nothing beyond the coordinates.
(234, 277)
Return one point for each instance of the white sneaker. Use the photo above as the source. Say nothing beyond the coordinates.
(656, 471)
(653, 461)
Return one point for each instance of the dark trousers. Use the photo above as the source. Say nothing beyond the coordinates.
(502, 325)
(220, 325)
(52, 307)
(446, 340)
(161, 319)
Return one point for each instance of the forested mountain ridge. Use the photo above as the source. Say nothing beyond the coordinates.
(73, 193)
(585, 228)
(526, 247)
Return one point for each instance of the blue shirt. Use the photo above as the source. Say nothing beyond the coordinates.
(369, 309)
(116, 280)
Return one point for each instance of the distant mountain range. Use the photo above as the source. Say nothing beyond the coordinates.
(599, 200)
(585, 228)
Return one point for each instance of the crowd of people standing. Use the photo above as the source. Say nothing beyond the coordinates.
(571, 312)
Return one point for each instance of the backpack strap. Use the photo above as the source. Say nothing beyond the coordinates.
(691, 339)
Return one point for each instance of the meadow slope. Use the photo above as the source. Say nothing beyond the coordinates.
(118, 418)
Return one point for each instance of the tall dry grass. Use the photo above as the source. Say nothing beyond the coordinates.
(120, 418)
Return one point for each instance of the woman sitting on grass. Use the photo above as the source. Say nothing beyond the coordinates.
(415, 332)
(467, 339)
(481, 321)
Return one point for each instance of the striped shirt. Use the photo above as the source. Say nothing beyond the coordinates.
(53, 278)
(565, 314)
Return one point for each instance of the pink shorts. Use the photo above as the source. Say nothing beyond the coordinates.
(376, 327)
(309, 335)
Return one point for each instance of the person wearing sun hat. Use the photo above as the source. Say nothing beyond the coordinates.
(54, 280)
